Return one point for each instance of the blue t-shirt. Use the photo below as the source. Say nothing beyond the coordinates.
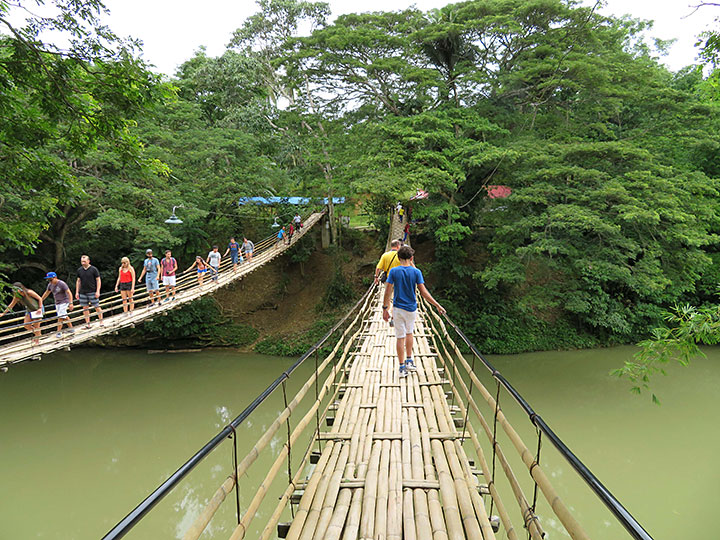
(281, 233)
(151, 266)
(234, 247)
(404, 280)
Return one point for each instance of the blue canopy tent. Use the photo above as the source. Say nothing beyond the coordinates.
(286, 200)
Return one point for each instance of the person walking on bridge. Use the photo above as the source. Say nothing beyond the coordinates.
(151, 269)
(213, 260)
(388, 260)
(125, 284)
(63, 301)
(169, 269)
(87, 290)
(280, 236)
(34, 311)
(297, 221)
(202, 268)
(401, 283)
(291, 231)
(248, 247)
(234, 250)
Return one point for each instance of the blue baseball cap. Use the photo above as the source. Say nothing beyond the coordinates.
(50, 275)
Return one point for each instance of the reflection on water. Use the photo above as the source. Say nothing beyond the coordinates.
(85, 436)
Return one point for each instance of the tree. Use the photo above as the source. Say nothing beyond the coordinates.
(57, 104)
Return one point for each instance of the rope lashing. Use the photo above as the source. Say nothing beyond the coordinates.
(289, 443)
(494, 440)
(317, 411)
(535, 464)
(467, 406)
(235, 468)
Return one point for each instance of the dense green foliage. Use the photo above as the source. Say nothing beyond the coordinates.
(297, 343)
(200, 323)
(613, 161)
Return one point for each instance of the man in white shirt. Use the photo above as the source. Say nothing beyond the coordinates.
(213, 260)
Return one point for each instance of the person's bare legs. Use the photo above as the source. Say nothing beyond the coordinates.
(401, 350)
(33, 328)
(408, 346)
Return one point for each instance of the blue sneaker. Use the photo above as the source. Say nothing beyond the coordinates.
(410, 365)
(403, 371)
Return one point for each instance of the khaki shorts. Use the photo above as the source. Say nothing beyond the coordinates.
(404, 322)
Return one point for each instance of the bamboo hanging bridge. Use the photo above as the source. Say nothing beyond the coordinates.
(16, 345)
(361, 453)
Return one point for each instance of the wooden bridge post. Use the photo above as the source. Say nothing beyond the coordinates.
(325, 238)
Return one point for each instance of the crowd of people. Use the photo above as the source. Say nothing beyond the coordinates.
(154, 271)
(396, 269)
(88, 283)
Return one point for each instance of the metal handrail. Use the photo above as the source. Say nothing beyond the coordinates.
(619, 511)
(129, 521)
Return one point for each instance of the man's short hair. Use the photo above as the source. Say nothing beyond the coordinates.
(405, 253)
(395, 243)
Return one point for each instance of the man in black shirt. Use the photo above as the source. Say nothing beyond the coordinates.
(87, 289)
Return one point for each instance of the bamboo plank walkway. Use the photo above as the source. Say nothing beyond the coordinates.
(393, 465)
(188, 290)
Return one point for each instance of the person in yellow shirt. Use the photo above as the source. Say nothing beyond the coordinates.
(388, 260)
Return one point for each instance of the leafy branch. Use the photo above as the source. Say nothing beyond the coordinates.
(688, 327)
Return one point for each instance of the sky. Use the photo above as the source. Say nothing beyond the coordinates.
(172, 30)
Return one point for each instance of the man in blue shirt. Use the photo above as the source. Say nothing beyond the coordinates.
(234, 250)
(151, 268)
(401, 283)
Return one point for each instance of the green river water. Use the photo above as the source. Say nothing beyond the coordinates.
(85, 436)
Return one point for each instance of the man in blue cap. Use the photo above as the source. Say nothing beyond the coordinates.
(63, 301)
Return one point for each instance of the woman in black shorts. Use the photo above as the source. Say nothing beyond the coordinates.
(126, 284)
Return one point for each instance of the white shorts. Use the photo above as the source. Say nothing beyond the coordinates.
(62, 310)
(404, 322)
(169, 280)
